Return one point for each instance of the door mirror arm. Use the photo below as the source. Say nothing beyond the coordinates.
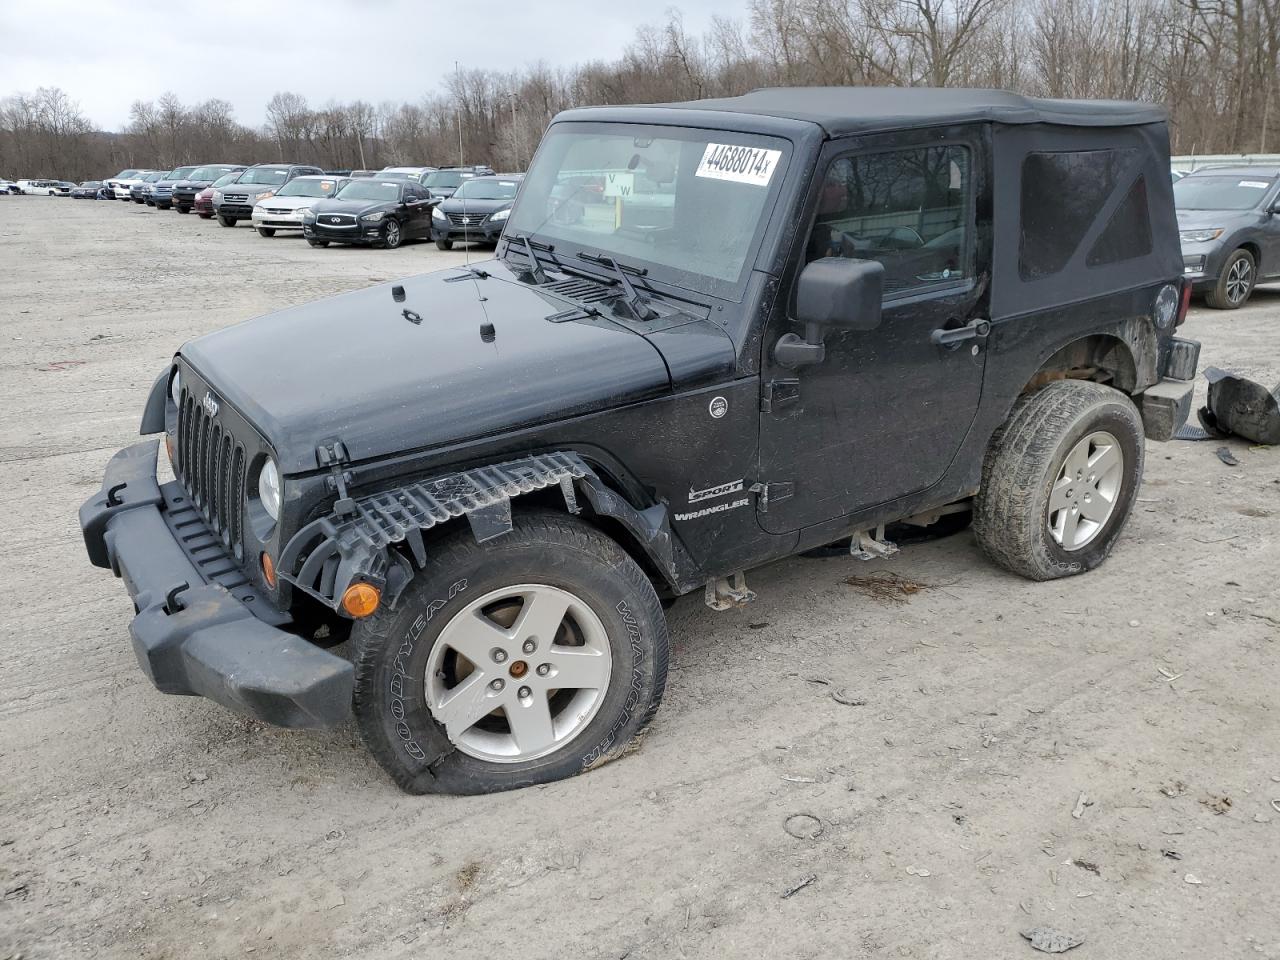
(831, 292)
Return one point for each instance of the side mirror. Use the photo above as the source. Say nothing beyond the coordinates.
(832, 292)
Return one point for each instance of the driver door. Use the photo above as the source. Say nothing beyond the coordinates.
(883, 414)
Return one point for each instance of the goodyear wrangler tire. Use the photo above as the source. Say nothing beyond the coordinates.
(1059, 480)
(530, 658)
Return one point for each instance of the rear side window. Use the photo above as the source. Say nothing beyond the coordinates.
(1062, 195)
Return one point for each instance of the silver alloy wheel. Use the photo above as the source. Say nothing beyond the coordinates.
(1085, 492)
(393, 234)
(1239, 280)
(518, 673)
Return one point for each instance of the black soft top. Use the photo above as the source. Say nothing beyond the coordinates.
(843, 111)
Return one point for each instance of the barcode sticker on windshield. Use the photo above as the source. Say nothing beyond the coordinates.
(1259, 184)
(753, 165)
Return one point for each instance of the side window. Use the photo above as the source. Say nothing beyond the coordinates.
(909, 209)
(1062, 194)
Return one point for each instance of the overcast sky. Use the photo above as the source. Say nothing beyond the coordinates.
(107, 54)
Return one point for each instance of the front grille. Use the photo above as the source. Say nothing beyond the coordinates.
(336, 219)
(278, 211)
(212, 466)
(466, 219)
(236, 197)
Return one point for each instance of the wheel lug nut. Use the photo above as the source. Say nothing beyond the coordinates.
(529, 646)
(543, 669)
(499, 655)
(497, 684)
(524, 692)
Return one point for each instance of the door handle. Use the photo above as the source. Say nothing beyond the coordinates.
(952, 337)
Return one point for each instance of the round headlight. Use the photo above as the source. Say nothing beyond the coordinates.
(269, 489)
(1166, 307)
(175, 388)
(437, 214)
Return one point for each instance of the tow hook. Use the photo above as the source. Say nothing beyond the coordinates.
(725, 593)
(871, 545)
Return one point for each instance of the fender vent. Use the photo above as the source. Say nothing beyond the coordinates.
(584, 291)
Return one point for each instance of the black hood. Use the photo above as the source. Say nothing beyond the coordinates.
(353, 207)
(386, 376)
(487, 207)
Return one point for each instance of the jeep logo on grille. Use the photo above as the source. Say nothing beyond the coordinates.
(210, 405)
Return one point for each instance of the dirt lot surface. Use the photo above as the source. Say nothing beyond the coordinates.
(942, 727)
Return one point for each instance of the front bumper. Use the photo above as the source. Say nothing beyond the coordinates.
(354, 233)
(486, 232)
(201, 628)
(240, 211)
(276, 221)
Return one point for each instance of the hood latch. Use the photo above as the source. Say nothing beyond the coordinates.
(333, 455)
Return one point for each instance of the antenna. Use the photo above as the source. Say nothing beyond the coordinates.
(466, 238)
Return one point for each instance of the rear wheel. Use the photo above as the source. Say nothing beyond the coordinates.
(227, 221)
(527, 659)
(266, 232)
(444, 244)
(1235, 284)
(1059, 480)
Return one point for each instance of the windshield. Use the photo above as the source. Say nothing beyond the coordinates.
(484, 189)
(370, 190)
(155, 177)
(125, 175)
(270, 176)
(226, 178)
(208, 173)
(688, 202)
(180, 174)
(1236, 192)
(445, 178)
(307, 187)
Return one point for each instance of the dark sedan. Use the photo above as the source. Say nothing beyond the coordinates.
(140, 192)
(1229, 224)
(477, 211)
(380, 213)
(162, 190)
(89, 190)
(201, 178)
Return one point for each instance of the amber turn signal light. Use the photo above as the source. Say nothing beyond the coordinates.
(269, 570)
(361, 599)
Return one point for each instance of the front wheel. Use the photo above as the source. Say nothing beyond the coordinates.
(527, 659)
(205, 216)
(266, 232)
(444, 244)
(1235, 284)
(227, 221)
(1059, 480)
(181, 209)
(317, 243)
(392, 236)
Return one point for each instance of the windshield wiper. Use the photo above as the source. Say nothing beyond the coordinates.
(639, 307)
(530, 246)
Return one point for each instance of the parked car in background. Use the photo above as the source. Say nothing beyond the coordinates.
(417, 174)
(363, 173)
(8, 187)
(255, 183)
(379, 213)
(185, 191)
(444, 181)
(1229, 225)
(477, 211)
(44, 188)
(162, 189)
(64, 188)
(125, 179)
(286, 208)
(140, 192)
(202, 202)
(89, 190)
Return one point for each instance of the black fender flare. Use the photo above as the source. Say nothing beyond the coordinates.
(332, 552)
(153, 412)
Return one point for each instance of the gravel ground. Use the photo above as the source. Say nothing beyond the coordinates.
(144, 826)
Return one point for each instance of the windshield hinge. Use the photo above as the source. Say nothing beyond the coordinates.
(767, 493)
(778, 393)
(333, 455)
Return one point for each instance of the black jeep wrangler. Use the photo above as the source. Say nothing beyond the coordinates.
(714, 334)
